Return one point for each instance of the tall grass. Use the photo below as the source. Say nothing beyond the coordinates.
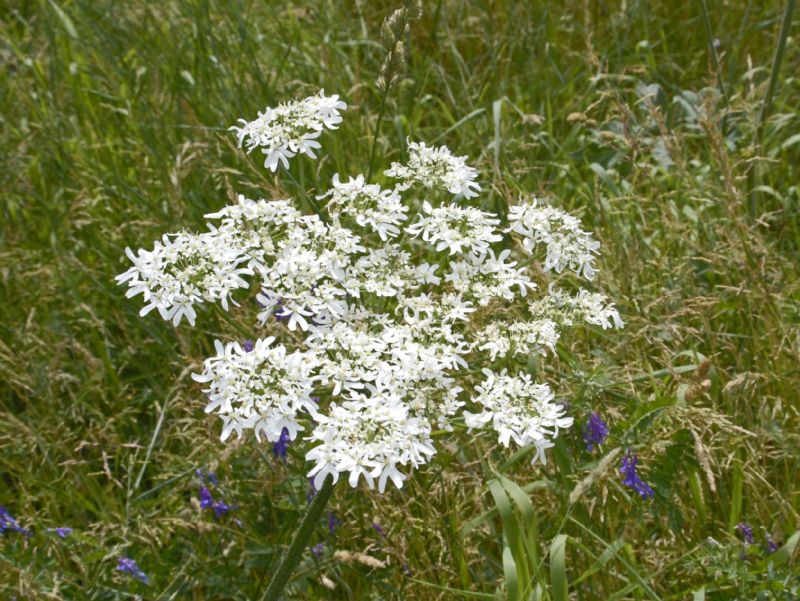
(114, 120)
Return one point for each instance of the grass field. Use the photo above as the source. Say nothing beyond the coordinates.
(664, 125)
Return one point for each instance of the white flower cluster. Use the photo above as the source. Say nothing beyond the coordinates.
(519, 339)
(436, 168)
(265, 389)
(290, 129)
(453, 228)
(378, 310)
(568, 246)
(367, 205)
(589, 307)
(183, 270)
(519, 410)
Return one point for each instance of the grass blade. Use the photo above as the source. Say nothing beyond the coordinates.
(558, 568)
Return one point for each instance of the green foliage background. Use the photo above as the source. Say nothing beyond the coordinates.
(113, 120)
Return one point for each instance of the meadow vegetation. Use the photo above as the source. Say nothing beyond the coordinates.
(665, 126)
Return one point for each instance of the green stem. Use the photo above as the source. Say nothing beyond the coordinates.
(377, 130)
(299, 544)
(713, 51)
(766, 107)
(777, 59)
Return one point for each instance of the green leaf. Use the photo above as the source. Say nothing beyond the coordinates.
(510, 571)
(65, 20)
(558, 568)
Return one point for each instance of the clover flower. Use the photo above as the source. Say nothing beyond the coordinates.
(595, 431)
(126, 565)
(290, 129)
(519, 410)
(436, 168)
(632, 478)
(567, 245)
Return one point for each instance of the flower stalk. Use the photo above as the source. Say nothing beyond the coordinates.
(300, 542)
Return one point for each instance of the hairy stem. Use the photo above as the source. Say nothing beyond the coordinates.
(299, 544)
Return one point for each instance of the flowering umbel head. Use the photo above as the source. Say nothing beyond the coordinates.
(380, 307)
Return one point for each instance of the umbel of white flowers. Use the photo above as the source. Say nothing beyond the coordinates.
(378, 306)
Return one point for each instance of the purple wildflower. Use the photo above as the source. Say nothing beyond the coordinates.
(221, 508)
(746, 532)
(207, 501)
(8, 522)
(632, 479)
(279, 448)
(128, 566)
(207, 477)
(62, 531)
(772, 546)
(248, 346)
(378, 529)
(595, 431)
(318, 549)
(333, 522)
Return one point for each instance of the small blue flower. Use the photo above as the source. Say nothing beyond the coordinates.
(333, 522)
(207, 477)
(632, 479)
(62, 531)
(318, 549)
(248, 346)
(772, 546)
(8, 522)
(746, 532)
(595, 431)
(127, 565)
(279, 448)
(378, 529)
(207, 501)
